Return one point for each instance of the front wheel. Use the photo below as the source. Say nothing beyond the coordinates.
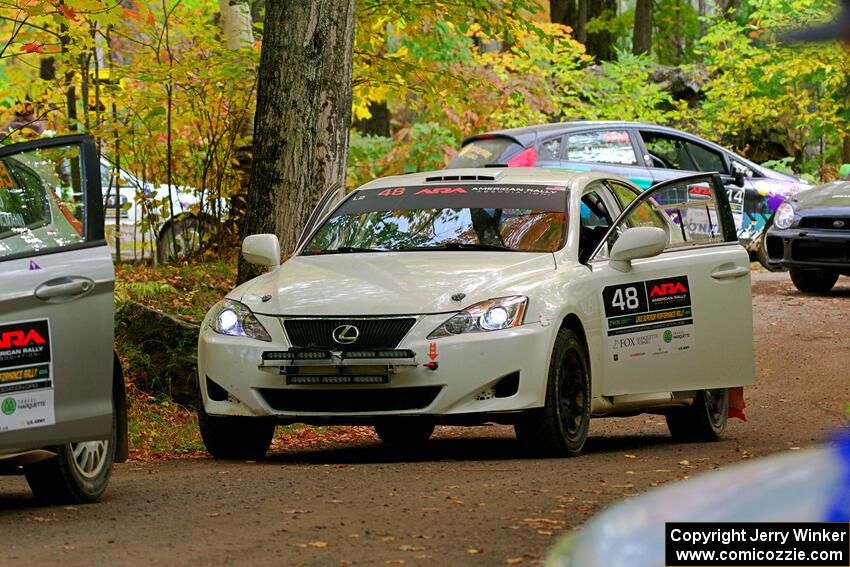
(235, 437)
(704, 420)
(560, 427)
(813, 281)
(78, 475)
(411, 431)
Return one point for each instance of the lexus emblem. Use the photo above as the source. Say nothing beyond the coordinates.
(345, 334)
(838, 224)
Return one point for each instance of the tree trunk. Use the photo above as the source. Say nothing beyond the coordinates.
(642, 36)
(563, 12)
(378, 124)
(303, 116)
(581, 19)
(600, 43)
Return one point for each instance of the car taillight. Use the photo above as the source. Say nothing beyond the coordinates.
(526, 158)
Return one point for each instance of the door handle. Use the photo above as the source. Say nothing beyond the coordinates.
(736, 272)
(63, 289)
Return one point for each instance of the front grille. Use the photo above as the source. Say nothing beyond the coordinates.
(775, 248)
(350, 400)
(804, 250)
(372, 333)
(825, 223)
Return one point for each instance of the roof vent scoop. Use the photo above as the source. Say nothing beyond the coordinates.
(456, 177)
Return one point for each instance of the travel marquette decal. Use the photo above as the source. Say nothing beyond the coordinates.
(26, 375)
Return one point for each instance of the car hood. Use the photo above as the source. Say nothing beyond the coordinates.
(391, 283)
(828, 196)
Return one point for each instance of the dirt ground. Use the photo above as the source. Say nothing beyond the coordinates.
(467, 500)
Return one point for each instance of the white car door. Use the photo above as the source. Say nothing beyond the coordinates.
(56, 288)
(680, 320)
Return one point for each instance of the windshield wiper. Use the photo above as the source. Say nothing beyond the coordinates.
(461, 246)
(341, 250)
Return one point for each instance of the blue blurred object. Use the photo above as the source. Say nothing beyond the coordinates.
(840, 509)
(805, 486)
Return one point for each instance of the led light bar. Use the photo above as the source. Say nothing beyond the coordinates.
(386, 353)
(297, 355)
(337, 379)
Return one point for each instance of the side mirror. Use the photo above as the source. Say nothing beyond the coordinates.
(261, 250)
(737, 179)
(638, 242)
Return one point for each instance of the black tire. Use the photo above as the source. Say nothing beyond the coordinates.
(703, 421)
(813, 281)
(560, 427)
(236, 437)
(182, 237)
(414, 431)
(761, 253)
(78, 475)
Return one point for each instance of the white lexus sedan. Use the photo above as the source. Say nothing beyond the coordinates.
(533, 297)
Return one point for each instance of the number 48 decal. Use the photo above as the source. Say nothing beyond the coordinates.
(392, 192)
(625, 298)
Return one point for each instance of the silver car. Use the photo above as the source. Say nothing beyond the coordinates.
(63, 420)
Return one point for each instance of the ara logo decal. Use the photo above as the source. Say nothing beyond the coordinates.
(11, 339)
(668, 288)
(440, 191)
(34, 266)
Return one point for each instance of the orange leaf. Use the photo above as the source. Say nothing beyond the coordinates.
(32, 47)
(150, 18)
(132, 14)
(69, 13)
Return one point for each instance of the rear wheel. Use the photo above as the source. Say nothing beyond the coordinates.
(704, 420)
(560, 427)
(235, 437)
(78, 475)
(813, 281)
(183, 237)
(414, 431)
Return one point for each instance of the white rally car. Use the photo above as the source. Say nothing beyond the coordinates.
(531, 297)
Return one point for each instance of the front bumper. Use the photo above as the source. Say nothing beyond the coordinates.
(809, 248)
(471, 375)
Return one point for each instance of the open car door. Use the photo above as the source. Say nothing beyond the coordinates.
(678, 320)
(56, 316)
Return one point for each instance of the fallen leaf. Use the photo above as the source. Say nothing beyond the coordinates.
(685, 462)
(318, 544)
(513, 560)
(630, 456)
(474, 551)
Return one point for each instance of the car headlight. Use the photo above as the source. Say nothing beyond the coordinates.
(236, 320)
(490, 315)
(784, 216)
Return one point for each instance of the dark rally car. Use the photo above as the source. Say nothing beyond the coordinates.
(811, 236)
(645, 154)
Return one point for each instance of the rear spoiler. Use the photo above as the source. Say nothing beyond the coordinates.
(490, 136)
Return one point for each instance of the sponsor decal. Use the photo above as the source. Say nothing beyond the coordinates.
(26, 386)
(34, 266)
(440, 191)
(652, 317)
(9, 406)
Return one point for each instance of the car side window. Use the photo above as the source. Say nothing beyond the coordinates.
(595, 221)
(601, 146)
(41, 200)
(685, 209)
(550, 149)
(672, 152)
(624, 194)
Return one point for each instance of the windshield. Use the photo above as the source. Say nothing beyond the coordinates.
(523, 218)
